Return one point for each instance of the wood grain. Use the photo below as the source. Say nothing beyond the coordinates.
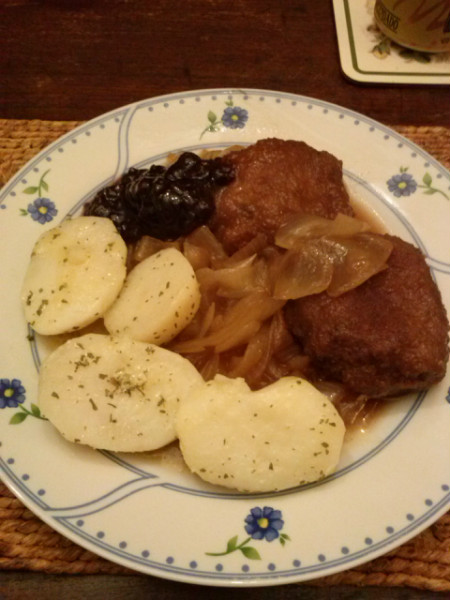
(75, 60)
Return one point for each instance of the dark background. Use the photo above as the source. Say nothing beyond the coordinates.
(73, 60)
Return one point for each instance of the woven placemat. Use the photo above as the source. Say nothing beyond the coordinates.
(26, 543)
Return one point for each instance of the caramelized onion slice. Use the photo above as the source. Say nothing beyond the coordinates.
(304, 227)
(203, 237)
(255, 246)
(335, 264)
(253, 354)
(235, 327)
(365, 255)
(232, 282)
(198, 256)
(302, 272)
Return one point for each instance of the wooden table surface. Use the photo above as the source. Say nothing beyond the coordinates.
(73, 60)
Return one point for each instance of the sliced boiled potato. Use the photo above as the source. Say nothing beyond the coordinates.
(281, 436)
(75, 273)
(114, 393)
(159, 298)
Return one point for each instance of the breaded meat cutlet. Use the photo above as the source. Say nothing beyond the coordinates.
(275, 179)
(383, 338)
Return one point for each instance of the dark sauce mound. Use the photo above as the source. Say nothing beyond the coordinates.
(162, 202)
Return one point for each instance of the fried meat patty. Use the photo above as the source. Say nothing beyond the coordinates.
(383, 338)
(275, 179)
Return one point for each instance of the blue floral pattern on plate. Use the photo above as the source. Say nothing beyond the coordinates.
(233, 117)
(404, 184)
(261, 524)
(12, 393)
(42, 210)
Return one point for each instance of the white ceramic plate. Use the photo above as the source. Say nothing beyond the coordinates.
(393, 480)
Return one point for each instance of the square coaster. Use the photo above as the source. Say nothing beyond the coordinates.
(367, 55)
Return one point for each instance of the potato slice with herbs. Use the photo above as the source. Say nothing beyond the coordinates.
(114, 393)
(75, 273)
(159, 298)
(281, 436)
